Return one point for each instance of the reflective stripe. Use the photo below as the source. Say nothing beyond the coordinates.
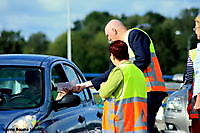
(140, 131)
(127, 100)
(130, 100)
(194, 115)
(156, 88)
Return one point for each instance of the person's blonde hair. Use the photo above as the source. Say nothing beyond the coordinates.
(197, 19)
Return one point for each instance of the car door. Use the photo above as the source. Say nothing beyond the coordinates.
(70, 119)
(91, 113)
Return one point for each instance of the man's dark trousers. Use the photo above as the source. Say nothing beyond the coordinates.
(154, 101)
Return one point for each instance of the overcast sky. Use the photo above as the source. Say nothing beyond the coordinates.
(50, 16)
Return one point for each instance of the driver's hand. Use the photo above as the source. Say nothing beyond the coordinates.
(61, 94)
(77, 89)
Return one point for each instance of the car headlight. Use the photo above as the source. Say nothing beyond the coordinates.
(23, 124)
(175, 104)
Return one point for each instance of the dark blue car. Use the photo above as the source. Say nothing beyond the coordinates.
(28, 89)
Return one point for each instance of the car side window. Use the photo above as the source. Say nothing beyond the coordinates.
(85, 90)
(57, 76)
(64, 73)
(73, 77)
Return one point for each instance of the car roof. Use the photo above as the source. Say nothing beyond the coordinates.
(29, 59)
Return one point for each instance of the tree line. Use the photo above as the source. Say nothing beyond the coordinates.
(172, 37)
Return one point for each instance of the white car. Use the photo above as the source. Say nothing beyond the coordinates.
(175, 114)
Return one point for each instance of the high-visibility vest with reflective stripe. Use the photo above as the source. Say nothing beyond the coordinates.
(128, 112)
(153, 74)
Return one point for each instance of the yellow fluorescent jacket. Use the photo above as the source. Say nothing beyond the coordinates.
(127, 113)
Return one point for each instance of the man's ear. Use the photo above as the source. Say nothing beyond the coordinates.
(114, 31)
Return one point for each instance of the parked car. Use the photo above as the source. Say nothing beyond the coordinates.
(175, 114)
(22, 109)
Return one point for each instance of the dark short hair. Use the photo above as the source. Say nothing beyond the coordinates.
(119, 49)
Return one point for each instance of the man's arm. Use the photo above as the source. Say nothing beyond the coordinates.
(140, 44)
(96, 82)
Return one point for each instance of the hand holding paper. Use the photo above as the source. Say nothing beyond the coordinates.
(70, 86)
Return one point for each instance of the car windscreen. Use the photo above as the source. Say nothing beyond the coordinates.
(20, 87)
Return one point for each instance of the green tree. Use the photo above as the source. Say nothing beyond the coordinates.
(37, 44)
(59, 46)
(90, 53)
(132, 21)
(185, 23)
(11, 42)
(152, 18)
(166, 48)
(78, 25)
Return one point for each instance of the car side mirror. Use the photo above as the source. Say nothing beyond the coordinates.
(67, 101)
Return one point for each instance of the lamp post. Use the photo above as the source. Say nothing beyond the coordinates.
(69, 55)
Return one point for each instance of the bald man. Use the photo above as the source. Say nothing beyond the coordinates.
(138, 42)
(142, 54)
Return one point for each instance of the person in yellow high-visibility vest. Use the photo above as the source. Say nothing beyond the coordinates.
(192, 76)
(124, 94)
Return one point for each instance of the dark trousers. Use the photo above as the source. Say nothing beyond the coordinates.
(154, 101)
(195, 126)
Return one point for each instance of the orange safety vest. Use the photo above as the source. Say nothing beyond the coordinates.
(152, 73)
(128, 115)
(128, 112)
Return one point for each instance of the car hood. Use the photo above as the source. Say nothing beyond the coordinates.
(182, 92)
(6, 117)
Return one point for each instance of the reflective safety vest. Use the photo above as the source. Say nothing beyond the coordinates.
(127, 113)
(153, 74)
